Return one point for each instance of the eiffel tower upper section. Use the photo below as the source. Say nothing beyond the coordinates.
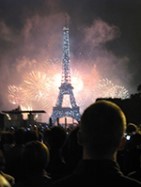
(66, 87)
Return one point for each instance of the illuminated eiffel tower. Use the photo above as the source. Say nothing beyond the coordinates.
(66, 88)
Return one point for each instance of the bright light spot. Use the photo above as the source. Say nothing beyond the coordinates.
(77, 84)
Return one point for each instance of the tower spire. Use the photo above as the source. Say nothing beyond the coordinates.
(66, 20)
(66, 77)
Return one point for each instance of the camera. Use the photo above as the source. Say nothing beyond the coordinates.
(128, 137)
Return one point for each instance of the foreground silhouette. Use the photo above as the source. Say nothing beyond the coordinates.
(101, 135)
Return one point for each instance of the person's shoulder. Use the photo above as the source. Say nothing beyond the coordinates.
(72, 180)
(131, 182)
(68, 180)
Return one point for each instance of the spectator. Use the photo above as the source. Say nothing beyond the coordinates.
(9, 178)
(4, 182)
(35, 158)
(56, 140)
(72, 151)
(13, 155)
(101, 134)
(132, 151)
(136, 174)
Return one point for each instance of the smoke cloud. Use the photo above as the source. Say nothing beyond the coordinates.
(31, 40)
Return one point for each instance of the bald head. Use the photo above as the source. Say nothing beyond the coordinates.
(102, 127)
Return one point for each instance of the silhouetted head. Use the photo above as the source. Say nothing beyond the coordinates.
(4, 182)
(19, 136)
(102, 127)
(35, 157)
(57, 137)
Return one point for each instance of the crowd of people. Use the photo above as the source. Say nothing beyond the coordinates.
(102, 150)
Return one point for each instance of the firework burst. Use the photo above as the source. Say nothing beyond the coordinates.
(36, 84)
(39, 87)
(15, 95)
(107, 89)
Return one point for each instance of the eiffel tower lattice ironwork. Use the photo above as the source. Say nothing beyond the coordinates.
(66, 87)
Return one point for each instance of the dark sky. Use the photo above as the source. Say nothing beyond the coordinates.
(99, 28)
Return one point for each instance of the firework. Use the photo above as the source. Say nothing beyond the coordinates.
(39, 87)
(15, 94)
(107, 89)
(36, 85)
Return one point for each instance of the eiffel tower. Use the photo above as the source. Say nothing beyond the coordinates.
(66, 87)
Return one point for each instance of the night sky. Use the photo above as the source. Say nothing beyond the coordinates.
(105, 33)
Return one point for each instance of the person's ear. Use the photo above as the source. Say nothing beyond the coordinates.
(122, 144)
